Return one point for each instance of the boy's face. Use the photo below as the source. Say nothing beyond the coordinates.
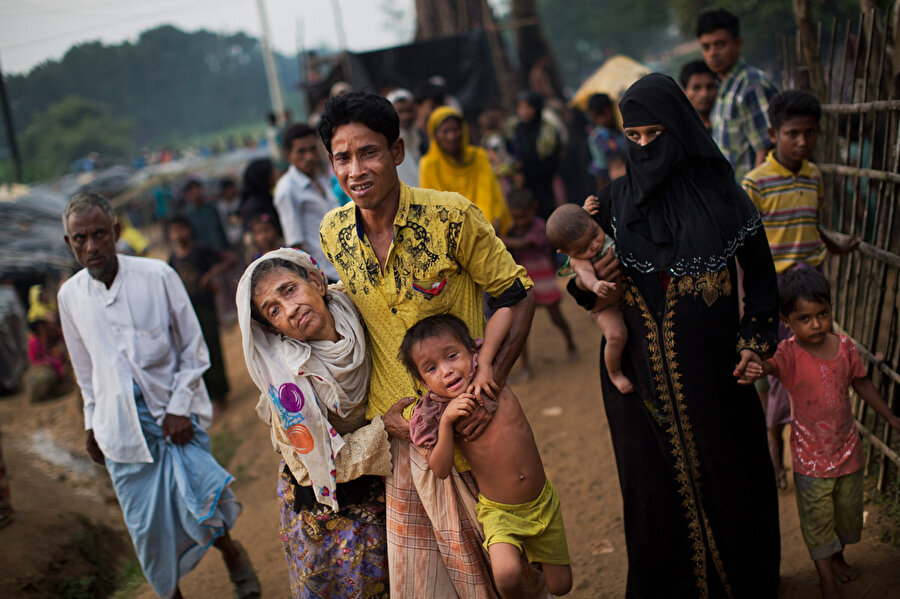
(444, 364)
(602, 118)
(701, 91)
(265, 236)
(810, 322)
(795, 140)
(522, 217)
(588, 245)
(179, 234)
(720, 50)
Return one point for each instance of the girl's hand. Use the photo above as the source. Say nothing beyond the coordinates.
(592, 204)
(750, 361)
(459, 407)
(484, 382)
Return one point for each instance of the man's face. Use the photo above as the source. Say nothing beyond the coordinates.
(92, 237)
(720, 50)
(406, 110)
(304, 155)
(365, 165)
(701, 91)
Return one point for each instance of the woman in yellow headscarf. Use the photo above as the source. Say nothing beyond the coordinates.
(451, 164)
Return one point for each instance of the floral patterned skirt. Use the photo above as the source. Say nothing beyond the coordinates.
(335, 555)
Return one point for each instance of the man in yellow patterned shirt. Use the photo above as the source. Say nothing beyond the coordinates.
(403, 254)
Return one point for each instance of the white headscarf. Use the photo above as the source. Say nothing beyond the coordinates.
(300, 380)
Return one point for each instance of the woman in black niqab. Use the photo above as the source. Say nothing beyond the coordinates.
(699, 498)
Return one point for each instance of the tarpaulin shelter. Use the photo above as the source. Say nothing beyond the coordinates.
(612, 78)
(464, 61)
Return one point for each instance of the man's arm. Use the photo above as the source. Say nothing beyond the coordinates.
(521, 314)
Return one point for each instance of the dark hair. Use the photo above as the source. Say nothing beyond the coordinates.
(296, 131)
(191, 183)
(427, 328)
(718, 18)
(791, 104)
(226, 182)
(599, 103)
(803, 283)
(179, 221)
(263, 270)
(371, 110)
(567, 224)
(695, 67)
(430, 91)
(521, 199)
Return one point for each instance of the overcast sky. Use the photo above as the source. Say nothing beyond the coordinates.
(32, 31)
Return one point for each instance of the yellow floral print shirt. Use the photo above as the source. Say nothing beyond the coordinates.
(443, 254)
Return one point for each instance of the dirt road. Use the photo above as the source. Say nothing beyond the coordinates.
(562, 402)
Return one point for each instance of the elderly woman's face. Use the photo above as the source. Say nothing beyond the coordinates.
(294, 306)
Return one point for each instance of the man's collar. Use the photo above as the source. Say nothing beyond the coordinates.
(399, 218)
(739, 65)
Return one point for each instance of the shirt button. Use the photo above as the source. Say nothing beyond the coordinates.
(393, 310)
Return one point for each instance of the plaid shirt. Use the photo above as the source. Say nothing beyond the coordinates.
(739, 120)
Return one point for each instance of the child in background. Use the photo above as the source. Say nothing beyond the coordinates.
(527, 242)
(604, 138)
(616, 165)
(198, 266)
(818, 367)
(266, 235)
(517, 505)
(575, 232)
(788, 192)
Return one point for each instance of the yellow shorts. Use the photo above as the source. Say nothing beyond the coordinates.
(535, 528)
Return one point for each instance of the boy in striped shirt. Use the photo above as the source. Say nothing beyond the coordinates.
(788, 192)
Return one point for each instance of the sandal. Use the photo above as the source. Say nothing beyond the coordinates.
(246, 584)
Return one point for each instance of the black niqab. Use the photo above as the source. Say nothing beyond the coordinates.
(678, 209)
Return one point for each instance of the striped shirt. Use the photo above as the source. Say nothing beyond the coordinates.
(789, 205)
(739, 116)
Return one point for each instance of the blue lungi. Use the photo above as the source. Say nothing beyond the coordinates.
(175, 507)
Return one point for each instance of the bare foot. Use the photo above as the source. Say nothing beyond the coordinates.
(622, 382)
(844, 571)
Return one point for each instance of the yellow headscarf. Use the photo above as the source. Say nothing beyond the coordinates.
(474, 179)
(38, 310)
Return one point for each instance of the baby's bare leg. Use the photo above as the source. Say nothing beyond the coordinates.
(506, 564)
(612, 324)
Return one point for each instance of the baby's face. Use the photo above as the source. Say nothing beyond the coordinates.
(588, 245)
(444, 363)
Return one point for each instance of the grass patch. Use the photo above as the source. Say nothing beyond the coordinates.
(224, 443)
(129, 580)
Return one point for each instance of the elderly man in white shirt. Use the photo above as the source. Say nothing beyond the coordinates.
(303, 195)
(139, 356)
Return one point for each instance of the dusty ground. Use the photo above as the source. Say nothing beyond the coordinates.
(562, 402)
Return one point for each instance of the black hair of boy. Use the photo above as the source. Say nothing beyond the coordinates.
(599, 103)
(695, 67)
(802, 284)
(374, 111)
(428, 328)
(191, 184)
(177, 221)
(791, 104)
(521, 199)
(718, 18)
(296, 131)
(567, 224)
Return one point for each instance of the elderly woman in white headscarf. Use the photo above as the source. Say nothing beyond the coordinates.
(305, 348)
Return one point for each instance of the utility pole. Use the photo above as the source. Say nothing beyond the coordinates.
(10, 132)
(269, 62)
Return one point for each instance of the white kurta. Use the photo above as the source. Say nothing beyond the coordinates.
(142, 329)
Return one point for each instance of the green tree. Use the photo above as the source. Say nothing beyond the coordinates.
(69, 130)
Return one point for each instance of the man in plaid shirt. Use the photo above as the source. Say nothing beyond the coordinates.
(739, 117)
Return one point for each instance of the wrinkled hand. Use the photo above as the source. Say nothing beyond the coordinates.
(178, 429)
(394, 422)
(471, 427)
(93, 449)
(592, 204)
(459, 407)
(750, 363)
(483, 382)
(603, 289)
(607, 268)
